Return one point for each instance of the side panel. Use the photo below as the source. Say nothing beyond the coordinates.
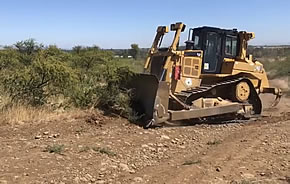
(191, 67)
(190, 71)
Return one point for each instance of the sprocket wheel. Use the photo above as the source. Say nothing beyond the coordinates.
(242, 91)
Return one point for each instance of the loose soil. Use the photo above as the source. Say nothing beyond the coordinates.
(93, 148)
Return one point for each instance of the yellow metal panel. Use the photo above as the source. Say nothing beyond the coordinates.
(191, 67)
(194, 72)
(187, 71)
(187, 61)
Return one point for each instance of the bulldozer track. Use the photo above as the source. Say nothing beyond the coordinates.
(207, 90)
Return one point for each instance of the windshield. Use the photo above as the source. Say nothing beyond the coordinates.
(196, 37)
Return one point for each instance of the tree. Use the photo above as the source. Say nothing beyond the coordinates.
(35, 83)
(134, 51)
(28, 46)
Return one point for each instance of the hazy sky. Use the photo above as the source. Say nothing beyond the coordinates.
(118, 23)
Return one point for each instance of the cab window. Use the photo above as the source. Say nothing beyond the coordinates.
(197, 40)
(231, 46)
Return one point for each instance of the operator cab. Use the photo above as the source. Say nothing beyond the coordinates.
(216, 45)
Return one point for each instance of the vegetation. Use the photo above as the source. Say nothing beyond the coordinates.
(104, 151)
(191, 162)
(56, 148)
(214, 142)
(86, 77)
(276, 60)
(37, 76)
(134, 51)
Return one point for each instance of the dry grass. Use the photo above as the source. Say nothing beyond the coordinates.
(56, 148)
(19, 114)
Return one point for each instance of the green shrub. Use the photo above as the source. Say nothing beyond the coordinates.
(35, 83)
(282, 68)
(191, 162)
(85, 77)
(104, 151)
(214, 142)
(56, 148)
(111, 97)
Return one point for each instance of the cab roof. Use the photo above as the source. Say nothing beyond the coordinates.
(215, 29)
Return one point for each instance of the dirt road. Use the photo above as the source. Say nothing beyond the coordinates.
(92, 148)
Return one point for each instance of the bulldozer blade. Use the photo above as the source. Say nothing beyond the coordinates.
(143, 90)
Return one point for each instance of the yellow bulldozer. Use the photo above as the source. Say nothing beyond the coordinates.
(212, 76)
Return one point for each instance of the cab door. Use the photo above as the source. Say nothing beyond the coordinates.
(212, 59)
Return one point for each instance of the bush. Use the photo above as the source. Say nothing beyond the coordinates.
(85, 77)
(282, 68)
(112, 97)
(56, 148)
(38, 81)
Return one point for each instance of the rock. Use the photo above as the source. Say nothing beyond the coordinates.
(181, 147)
(15, 177)
(126, 168)
(248, 175)
(262, 174)
(218, 169)
(21, 122)
(38, 137)
(83, 179)
(144, 146)
(173, 141)
(88, 176)
(160, 145)
(100, 181)
(56, 135)
(45, 133)
(128, 144)
(101, 175)
(103, 169)
(132, 171)
(3, 182)
(138, 179)
(151, 149)
(76, 180)
(165, 137)
(25, 174)
(93, 180)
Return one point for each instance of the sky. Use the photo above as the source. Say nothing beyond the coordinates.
(119, 23)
